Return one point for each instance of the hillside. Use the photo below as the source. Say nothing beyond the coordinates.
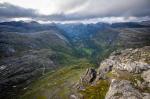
(123, 75)
(45, 61)
(24, 57)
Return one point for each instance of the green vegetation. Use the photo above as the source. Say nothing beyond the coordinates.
(66, 51)
(57, 83)
(124, 75)
(97, 91)
(88, 51)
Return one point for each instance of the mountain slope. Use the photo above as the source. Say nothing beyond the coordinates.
(33, 53)
(125, 74)
(14, 42)
(24, 57)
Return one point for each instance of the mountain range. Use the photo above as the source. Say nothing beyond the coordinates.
(45, 60)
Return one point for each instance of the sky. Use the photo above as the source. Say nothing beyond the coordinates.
(91, 11)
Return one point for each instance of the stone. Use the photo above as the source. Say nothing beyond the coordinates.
(128, 72)
(122, 89)
(89, 76)
(146, 95)
(133, 67)
(146, 75)
(131, 60)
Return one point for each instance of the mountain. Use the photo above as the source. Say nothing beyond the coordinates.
(21, 26)
(27, 55)
(14, 42)
(93, 40)
(45, 60)
(124, 74)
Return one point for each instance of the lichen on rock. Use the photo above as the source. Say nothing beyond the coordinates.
(126, 72)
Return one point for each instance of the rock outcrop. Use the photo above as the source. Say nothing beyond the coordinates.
(126, 71)
(89, 76)
(122, 89)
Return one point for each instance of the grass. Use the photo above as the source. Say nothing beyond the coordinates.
(88, 51)
(124, 75)
(97, 91)
(57, 83)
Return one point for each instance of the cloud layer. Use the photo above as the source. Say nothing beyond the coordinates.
(70, 10)
(11, 11)
(106, 8)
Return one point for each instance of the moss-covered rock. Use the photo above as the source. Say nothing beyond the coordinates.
(96, 91)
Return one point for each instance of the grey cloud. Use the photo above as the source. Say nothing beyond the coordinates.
(109, 8)
(71, 4)
(82, 9)
(11, 11)
(88, 9)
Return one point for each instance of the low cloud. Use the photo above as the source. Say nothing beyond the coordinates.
(11, 11)
(78, 10)
(112, 8)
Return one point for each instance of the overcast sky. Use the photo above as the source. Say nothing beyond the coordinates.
(75, 10)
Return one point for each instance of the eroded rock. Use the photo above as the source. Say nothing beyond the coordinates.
(131, 60)
(122, 89)
(89, 76)
(146, 75)
(128, 72)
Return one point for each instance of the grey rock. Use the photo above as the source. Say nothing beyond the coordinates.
(73, 97)
(131, 60)
(103, 70)
(142, 85)
(89, 77)
(146, 95)
(122, 89)
(134, 67)
(134, 62)
(146, 75)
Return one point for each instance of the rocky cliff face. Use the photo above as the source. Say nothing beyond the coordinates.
(124, 75)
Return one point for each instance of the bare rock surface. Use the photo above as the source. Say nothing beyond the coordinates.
(128, 74)
(146, 75)
(131, 60)
(122, 89)
(135, 62)
(89, 76)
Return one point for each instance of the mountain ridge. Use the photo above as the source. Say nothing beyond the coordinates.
(124, 74)
(34, 51)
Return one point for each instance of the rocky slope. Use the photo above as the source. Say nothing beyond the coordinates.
(24, 57)
(31, 51)
(124, 75)
(13, 43)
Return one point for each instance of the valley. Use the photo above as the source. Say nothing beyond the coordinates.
(45, 61)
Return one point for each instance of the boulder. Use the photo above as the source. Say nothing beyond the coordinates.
(89, 77)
